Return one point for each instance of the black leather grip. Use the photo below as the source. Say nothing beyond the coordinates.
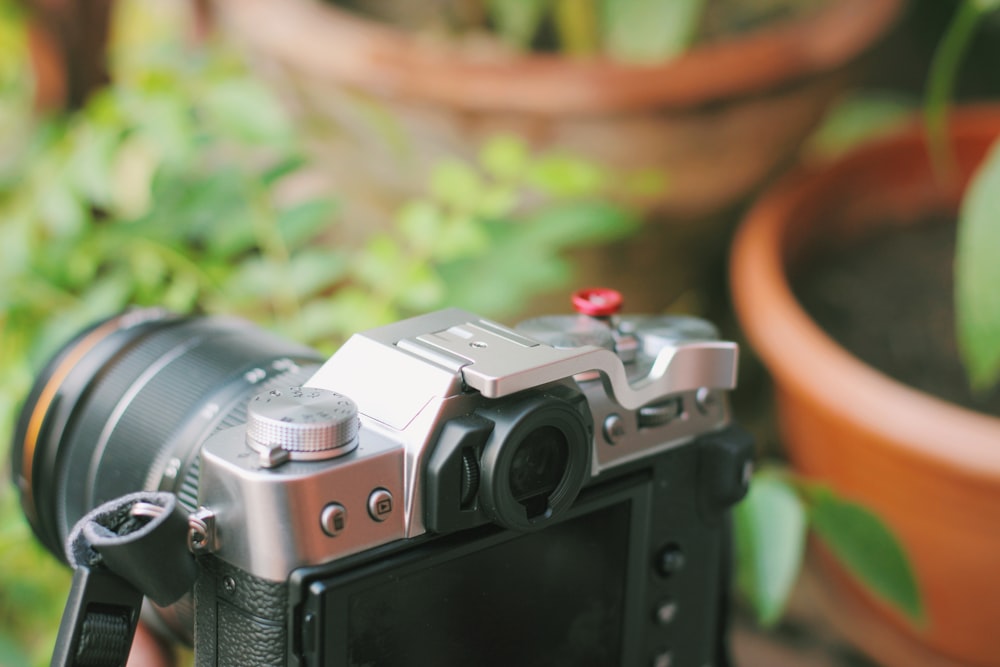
(240, 620)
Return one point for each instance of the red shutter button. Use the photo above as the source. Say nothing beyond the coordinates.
(597, 302)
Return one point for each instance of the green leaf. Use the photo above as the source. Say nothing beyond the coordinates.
(252, 281)
(304, 221)
(857, 119)
(165, 121)
(867, 548)
(15, 249)
(283, 168)
(518, 21)
(245, 110)
(213, 209)
(977, 275)
(313, 270)
(322, 320)
(456, 184)
(422, 290)
(495, 286)
(497, 201)
(10, 652)
(382, 266)
(576, 224)
(61, 211)
(650, 30)
(505, 157)
(770, 529)
(460, 236)
(101, 299)
(349, 310)
(420, 223)
(132, 172)
(149, 270)
(941, 79)
(181, 293)
(90, 165)
(566, 176)
(577, 25)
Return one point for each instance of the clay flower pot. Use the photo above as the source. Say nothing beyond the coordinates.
(382, 105)
(930, 468)
(385, 103)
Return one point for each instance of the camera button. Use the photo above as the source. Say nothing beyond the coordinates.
(333, 519)
(380, 504)
(664, 659)
(666, 612)
(614, 429)
(670, 560)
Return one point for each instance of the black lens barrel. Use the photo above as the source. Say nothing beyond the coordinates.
(126, 405)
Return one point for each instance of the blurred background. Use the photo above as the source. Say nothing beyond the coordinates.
(324, 167)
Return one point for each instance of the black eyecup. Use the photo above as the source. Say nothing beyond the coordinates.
(559, 407)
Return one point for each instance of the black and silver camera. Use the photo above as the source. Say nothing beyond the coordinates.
(441, 491)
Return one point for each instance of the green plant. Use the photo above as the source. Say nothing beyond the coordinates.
(639, 31)
(771, 526)
(977, 273)
(176, 187)
(474, 242)
(772, 523)
(634, 30)
(146, 197)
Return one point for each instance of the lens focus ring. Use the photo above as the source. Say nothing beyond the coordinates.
(127, 405)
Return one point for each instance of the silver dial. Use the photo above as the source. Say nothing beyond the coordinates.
(301, 423)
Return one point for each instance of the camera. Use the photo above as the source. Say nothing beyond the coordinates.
(440, 491)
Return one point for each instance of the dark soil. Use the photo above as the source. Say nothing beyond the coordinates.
(889, 301)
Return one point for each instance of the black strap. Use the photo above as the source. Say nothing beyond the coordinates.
(106, 637)
(126, 548)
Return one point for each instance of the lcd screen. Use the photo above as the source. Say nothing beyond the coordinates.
(550, 598)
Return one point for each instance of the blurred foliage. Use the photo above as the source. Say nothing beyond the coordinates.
(771, 525)
(32, 584)
(637, 31)
(631, 30)
(176, 186)
(781, 508)
(857, 118)
(977, 272)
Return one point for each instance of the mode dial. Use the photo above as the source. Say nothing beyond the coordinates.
(301, 424)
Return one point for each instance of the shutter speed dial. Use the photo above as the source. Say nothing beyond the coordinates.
(301, 424)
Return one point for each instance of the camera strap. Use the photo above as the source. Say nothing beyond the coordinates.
(133, 546)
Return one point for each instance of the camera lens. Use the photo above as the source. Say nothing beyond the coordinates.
(126, 405)
(537, 467)
(537, 457)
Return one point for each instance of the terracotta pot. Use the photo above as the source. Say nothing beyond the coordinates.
(928, 467)
(382, 105)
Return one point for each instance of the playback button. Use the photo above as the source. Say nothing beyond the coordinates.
(380, 504)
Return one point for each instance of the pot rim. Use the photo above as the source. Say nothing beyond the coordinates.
(796, 350)
(330, 42)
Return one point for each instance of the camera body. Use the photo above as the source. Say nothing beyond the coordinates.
(503, 502)
(441, 491)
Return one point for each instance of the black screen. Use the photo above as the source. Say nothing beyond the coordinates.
(555, 597)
